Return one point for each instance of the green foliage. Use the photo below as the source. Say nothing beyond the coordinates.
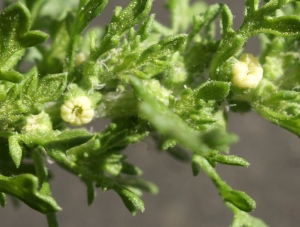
(174, 84)
(25, 188)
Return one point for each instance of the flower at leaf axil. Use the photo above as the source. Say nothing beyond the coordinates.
(77, 111)
(247, 72)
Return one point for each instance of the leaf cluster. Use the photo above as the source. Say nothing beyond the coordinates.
(169, 83)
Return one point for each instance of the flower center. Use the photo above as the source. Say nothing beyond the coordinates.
(77, 110)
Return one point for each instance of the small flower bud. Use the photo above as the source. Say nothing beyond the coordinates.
(41, 122)
(247, 72)
(77, 111)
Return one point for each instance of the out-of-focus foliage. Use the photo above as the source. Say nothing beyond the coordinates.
(174, 84)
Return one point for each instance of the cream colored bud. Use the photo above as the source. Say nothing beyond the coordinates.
(247, 72)
(77, 111)
(80, 58)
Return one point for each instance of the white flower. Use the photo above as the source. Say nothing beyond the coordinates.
(39, 122)
(80, 58)
(77, 111)
(247, 72)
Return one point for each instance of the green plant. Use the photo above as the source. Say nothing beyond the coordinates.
(150, 80)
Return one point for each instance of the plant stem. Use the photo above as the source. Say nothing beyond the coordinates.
(51, 220)
(42, 174)
(212, 174)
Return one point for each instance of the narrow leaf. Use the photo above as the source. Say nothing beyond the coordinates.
(130, 169)
(251, 6)
(230, 160)
(145, 28)
(122, 20)
(24, 187)
(2, 199)
(240, 199)
(179, 10)
(226, 20)
(291, 123)
(139, 184)
(131, 15)
(30, 85)
(11, 76)
(90, 191)
(166, 46)
(15, 150)
(199, 21)
(88, 12)
(179, 153)
(284, 26)
(131, 201)
(196, 164)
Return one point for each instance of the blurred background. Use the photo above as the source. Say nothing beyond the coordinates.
(272, 180)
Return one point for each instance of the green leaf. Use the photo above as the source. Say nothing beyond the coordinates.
(13, 93)
(15, 33)
(213, 90)
(30, 84)
(260, 21)
(130, 169)
(37, 137)
(196, 166)
(66, 140)
(137, 183)
(131, 201)
(51, 60)
(35, 7)
(204, 19)
(121, 21)
(230, 160)
(165, 121)
(51, 87)
(54, 9)
(242, 218)
(15, 150)
(218, 139)
(11, 76)
(179, 153)
(273, 5)
(291, 123)
(113, 167)
(130, 16)
(90, 191)
(174, 127)
(13, 60)
(281, 95)
(74, 137)
(226, 21)
(251, 6)
(166, 46)
(145, 28)
(239, 106)
(2, 199)
(25, 188)
(167, 143)
(284, 26)
(178, 10)
(88, 12)
(240, 199)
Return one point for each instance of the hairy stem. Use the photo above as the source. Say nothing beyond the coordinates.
(42, 174)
